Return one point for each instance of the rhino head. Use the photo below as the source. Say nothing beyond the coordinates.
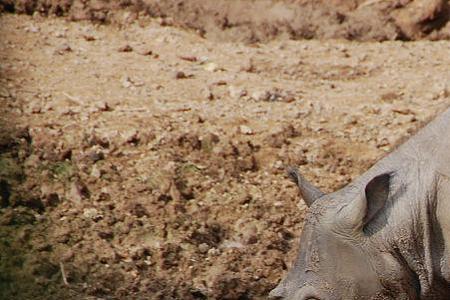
(343, 247)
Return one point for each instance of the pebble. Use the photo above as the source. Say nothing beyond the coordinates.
(63, 48)
(90, 213)
(126, 82)
(95, 172)
(207, 94)
(130, 136)
(211, 67)
(203, 248)
(260, 95)
(125, 48)
(244, 129)
(236, 92)
(77, 192)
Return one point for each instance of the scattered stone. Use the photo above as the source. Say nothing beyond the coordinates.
(95, 155)
(34, 108)
(95, 172)
(236, 92)
(60, 34)
(273, 95)
(244, 129)
(48, 196)
(68, 256)
(126, 82)
(278, 204)
(105, 233)
(32, 29)
(145, 51)
(232, 244)
(125, 48)
(260, 95)
(62, 49)
(89, 37)
(211, 67)
(131, 136)
(182, 75)
(102, 106)
(213, 252)
(203, 248)
(78, 191)
(90, 213)
(250, 234)
(4, 93)
(207, 94)
(189, 58)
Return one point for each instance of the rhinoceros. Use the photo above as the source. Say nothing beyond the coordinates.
(386, 235)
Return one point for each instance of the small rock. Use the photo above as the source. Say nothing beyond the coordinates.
(131, 136)
(189, 58)
(232, 244)
(60, 34)
(126, 82)
(278, 165)
(104, 233)
(260, 95)
(95, 155)
(180, 75)
(125, 48)
(211, 67)
(62, 49)
(68, 256)
(78, 191)
(145, 51)
(236, 92)
(34, 108)
(244, 129)
(203, 248)
(4, 93)
(278, 204)
(249, 234)
(49, 197)
(249, 67)
(207, 94)
(90, 213)
(89, 37)
(32, 28)
(95, 172)
(102, 106)
(213, 252)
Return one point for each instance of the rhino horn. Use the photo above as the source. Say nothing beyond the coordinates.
(308, 192)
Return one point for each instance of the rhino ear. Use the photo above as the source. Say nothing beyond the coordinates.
(360, 212)
(308, 192)
(376, 195)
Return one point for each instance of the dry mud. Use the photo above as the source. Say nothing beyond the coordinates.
(143, 161)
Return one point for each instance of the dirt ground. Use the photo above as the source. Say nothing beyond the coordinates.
(144, 161)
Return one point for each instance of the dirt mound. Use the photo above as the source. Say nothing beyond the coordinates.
(259, 21)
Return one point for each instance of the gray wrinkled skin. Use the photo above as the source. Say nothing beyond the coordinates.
(384, 236)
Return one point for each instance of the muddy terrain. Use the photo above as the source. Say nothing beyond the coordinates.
(141, 160)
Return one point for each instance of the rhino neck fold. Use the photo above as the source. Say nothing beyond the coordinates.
(415, 233)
